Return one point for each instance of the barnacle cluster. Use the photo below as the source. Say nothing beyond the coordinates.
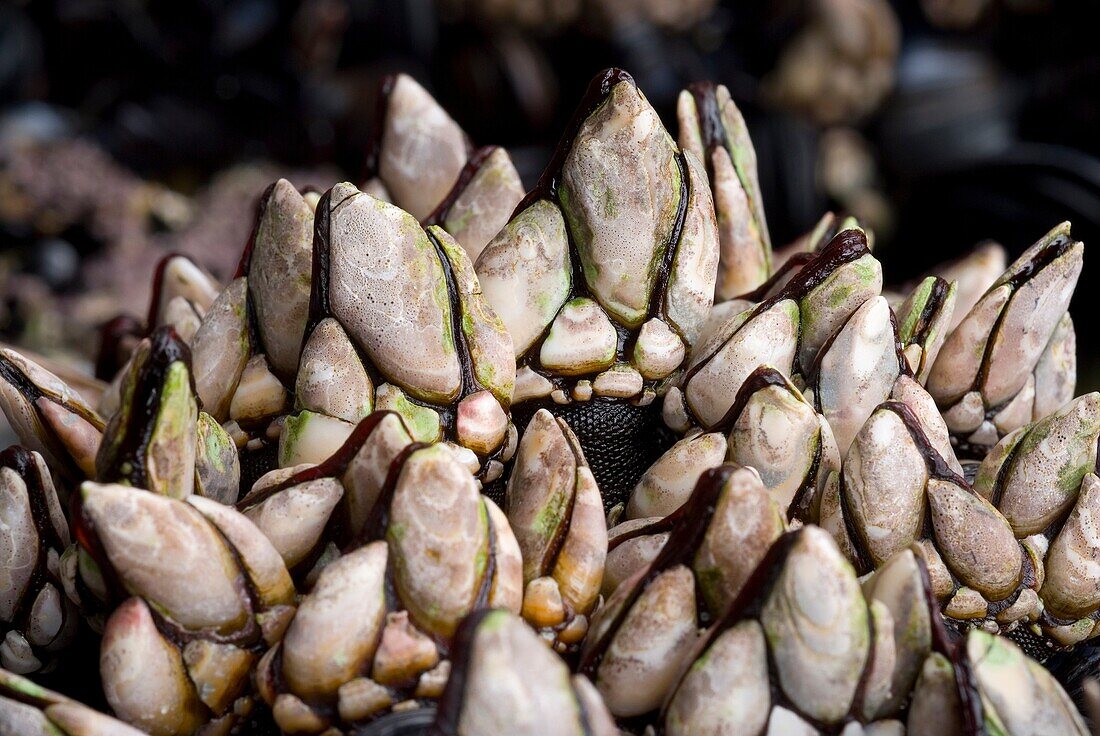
(449, 457)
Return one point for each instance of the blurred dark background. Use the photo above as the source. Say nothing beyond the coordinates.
(132, 127)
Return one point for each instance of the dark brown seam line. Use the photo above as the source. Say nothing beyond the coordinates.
(21, 462)
(847, 246)
(12, 374)
(761, 378)
(798, 260)
(381, 110)
(165, 349)
(152, 314)
(469, 384)
(658, 295)
(469, 171)
(449, 709)
(694, 516)
(929, 312)
(1046, 256)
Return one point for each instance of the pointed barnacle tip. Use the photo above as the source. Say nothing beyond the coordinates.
(702, 87)
(442, 235)
(610, 78)
(1090, 403)
(283, 186)
(341, 193)
(166, 338)
(853, 232)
